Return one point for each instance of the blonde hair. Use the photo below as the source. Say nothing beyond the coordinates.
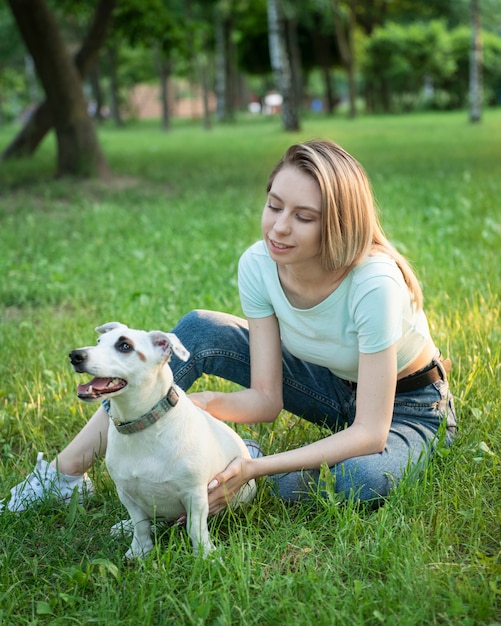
(351, 229)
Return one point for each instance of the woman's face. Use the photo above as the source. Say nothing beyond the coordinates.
(291, 220)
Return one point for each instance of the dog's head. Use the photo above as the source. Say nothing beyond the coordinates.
(123, 358)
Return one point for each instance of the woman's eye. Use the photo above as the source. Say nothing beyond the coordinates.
(303, 219)
(273, 208)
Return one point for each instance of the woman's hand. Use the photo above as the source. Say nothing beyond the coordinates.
(226, 484)
(223, 487)
(201, 398)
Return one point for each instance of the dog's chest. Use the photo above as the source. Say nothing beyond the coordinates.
(142, 461)
(155, 483)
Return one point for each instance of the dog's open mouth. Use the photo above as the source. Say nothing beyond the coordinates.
(98, 387)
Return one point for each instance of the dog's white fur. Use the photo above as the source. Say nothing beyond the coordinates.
(163, 471)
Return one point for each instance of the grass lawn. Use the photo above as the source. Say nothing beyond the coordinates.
(163, 238)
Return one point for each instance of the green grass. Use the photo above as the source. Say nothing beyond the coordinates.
(165, 237)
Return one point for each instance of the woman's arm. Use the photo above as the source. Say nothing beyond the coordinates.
(88, 444)
(262, 402)
(367, 434)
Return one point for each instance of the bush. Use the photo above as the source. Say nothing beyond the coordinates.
(424, 65)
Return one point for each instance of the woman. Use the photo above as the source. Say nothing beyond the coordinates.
(335, 333)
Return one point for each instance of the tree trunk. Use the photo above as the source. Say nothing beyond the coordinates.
(280, 64)
(475, 64)
(33, 19)
(232, 74)
(225, 65)
(295, 59)
(164, 67)
(203, 73)
(323, 56)
(31, 135)
(97, 93)
(352, 86)
(330, 97)
(220, 66)
(114, 88)
(346, 43)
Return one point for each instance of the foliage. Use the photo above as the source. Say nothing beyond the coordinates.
(401, 46)
(252, 32)
(164, 237)
(160, 22)
(400, 61)
(16, 87)
(452, 90)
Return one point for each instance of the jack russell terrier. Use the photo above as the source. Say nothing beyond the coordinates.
(162, 449)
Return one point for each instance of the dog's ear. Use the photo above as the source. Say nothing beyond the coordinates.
(169, 343)
(105, 328)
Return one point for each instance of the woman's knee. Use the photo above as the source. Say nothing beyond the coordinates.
(193, 322)
(201, 326)
(196, 329)
(218, 344)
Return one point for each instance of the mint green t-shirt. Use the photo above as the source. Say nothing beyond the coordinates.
(370, 310)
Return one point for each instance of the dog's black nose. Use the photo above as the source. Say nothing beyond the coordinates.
(77, 357)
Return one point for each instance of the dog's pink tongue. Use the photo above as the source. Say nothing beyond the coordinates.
(98, 387)
(96, 384)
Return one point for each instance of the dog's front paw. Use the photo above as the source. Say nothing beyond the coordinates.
(204, 549)
(138, 551)
(134, 556)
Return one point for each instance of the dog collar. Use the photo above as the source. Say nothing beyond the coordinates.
(149, 418)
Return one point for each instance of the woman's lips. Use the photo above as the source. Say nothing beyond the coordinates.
(279, 247)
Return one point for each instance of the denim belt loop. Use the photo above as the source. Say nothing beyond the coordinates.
(443, 365)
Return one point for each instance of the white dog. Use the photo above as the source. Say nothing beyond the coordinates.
(162, 449)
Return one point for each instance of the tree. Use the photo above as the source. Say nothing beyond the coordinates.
(475, 64)
(221, 64)
(112, 58)
(400, 60)
(159, 28)
(345, 36)
(65, 106)
(280, 63)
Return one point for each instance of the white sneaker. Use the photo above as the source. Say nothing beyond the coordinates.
(124, 528)
(46, 482)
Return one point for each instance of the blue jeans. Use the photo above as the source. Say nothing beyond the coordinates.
(219, 346)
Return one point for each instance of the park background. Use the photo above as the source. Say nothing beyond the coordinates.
(105, 215)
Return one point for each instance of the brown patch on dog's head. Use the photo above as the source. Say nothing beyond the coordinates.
(141, 356)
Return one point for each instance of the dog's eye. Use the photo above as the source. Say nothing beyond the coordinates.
(124, 346)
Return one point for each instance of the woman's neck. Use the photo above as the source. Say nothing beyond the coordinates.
(307, 287)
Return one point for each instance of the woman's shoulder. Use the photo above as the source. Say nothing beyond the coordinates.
(257, 249)
(256, 255)
(377, 265)
(256, 280)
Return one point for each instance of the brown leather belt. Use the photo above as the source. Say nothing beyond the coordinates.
(430, 374)
(435, 370)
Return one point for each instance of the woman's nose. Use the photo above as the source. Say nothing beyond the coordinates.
(282, 223)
